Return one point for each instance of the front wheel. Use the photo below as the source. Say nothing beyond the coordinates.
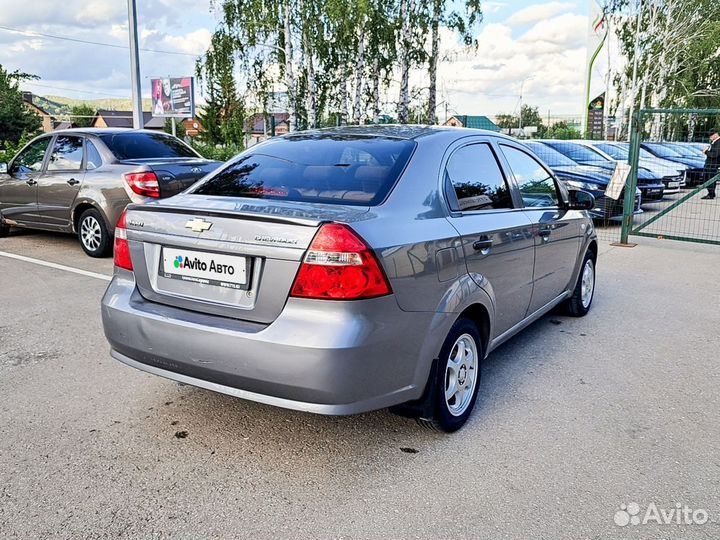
(4, 229)
(579, 303)
(457, 379)
(93, 234)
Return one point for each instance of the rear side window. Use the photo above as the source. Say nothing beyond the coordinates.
(67, 154)
(327, 168)
(139, 145)
(476, 179)
(93, 156)
(537, 186)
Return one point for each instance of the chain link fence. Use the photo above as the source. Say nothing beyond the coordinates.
(686, 141)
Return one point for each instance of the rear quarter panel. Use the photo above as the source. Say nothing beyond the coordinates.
(420, 251)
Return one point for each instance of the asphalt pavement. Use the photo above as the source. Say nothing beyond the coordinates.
(576, 417)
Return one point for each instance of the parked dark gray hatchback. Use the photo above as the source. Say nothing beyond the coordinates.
(80, 180)
(345, 270)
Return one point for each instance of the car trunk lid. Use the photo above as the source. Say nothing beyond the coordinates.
(175, 174)
(183, 250)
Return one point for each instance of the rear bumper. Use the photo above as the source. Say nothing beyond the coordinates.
(323, 357)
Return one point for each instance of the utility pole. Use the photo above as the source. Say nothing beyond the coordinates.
(135, 66)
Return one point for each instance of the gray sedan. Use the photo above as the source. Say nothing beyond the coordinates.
(346, 270)
(80, 180)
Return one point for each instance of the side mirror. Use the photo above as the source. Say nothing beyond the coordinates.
(3, 168)
(581, 200)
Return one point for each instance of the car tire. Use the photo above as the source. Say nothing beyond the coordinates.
(579, 304)
(93, 234)
(4, 229)
(458, 369)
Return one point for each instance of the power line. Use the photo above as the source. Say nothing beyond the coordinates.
(29, 83)
(32, 33)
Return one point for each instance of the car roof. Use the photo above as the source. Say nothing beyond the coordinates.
(398, 131)
(103, 131)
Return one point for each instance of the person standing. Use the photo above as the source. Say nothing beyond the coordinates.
(712, 162)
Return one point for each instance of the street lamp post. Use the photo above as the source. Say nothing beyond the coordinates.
(135, 66)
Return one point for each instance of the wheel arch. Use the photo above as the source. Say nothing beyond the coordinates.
(81, 207)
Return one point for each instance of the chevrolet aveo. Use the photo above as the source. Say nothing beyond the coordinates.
(345, 270)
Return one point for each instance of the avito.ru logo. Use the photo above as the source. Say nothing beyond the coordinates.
(631, 514)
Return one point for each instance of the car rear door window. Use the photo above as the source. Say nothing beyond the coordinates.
(326, 168)
(536, 184)
(67, 154)
(476, 179)
(31, 159)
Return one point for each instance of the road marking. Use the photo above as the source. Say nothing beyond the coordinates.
(86, 273)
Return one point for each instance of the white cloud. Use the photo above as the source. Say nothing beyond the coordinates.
(549, 56)
(538, 12)
(543, 40)
(493, 7)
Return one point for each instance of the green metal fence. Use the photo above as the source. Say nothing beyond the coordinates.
(663, 144)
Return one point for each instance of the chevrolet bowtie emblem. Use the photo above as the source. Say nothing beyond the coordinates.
(198, 225)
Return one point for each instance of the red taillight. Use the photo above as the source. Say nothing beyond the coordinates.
(122, 248)
(144, 183)
(339, 266)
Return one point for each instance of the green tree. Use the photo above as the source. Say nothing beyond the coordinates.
(530, 117)
(438, 16)
(16, 120)
(561, 130)
(671, 47)
(179, 127)
(83, 115)
(223, 116)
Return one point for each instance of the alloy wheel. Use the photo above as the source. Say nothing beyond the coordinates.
(461, 374)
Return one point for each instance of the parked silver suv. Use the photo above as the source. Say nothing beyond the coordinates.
(345, 270)
(80, 180)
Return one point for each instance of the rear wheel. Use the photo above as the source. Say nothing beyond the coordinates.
(93, 234)
(4, 229)
(581, 300)
(457, 378)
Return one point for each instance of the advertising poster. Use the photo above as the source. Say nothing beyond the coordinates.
(173, 97)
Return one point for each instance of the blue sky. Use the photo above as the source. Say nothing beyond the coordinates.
(540, 43)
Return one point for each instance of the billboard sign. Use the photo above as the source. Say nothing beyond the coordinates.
(173, 97)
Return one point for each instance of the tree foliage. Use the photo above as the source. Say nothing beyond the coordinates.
(672, 46)
(82, 115)
(16, 120)
(332, 60)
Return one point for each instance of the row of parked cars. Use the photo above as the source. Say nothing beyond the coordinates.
(664, 168)
(79, 181)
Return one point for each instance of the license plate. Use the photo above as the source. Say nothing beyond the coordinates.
(228, 271)
(673, 184)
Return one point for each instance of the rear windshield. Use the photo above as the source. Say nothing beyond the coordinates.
(325, 168)
(615, 152)
(139, 145)
(663, 150)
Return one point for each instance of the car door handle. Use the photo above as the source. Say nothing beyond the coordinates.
(73, 182)
(31, 182)
(482, 244)
(545, 233)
